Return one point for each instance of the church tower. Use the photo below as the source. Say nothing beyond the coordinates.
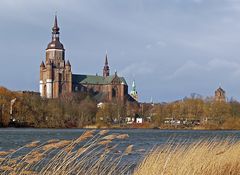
(220, 95)
(106, 70)
(55, 75)
(133, 92)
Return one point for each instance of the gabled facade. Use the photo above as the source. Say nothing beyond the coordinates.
(56, 76)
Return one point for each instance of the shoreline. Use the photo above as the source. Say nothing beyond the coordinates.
(125, 128)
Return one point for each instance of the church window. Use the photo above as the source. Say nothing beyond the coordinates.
(114, 93)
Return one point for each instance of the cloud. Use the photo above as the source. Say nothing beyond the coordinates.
(198, 1)
(161, 43)
(215, 67)
(138, 69)
(186, 69)
(157, 45)
(148, 46)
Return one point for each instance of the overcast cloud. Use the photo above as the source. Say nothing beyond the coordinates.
(172, 48)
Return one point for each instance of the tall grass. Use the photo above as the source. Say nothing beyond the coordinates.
(201, 158)
(91, 153)
(94, 153)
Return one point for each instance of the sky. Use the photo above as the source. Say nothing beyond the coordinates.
(172, 48)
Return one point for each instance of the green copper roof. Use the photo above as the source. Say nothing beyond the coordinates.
(95, 79)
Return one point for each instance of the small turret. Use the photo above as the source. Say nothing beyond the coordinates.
(42, 65)
(68, 65)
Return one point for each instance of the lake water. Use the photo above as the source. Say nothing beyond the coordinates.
(142, 139)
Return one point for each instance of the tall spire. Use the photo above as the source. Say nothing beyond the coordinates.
(106, 70)
(133, 92)
(133, 86)
(55, 29)
(55, 43)
(106, 59)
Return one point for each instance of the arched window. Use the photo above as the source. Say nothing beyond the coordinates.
(114, 93)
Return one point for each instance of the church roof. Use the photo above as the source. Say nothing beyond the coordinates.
(95, 79)
(55, 45)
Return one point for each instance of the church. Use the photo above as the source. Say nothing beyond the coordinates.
(56, 76)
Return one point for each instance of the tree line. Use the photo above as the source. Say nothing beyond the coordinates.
(77, 110)
(211, 114)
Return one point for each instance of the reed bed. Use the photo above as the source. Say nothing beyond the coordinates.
(91, 153)
(97, 153)
(200, 158)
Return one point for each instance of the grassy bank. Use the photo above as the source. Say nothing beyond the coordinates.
(98, 153)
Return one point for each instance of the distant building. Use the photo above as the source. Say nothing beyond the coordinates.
(133, 92)
(56, 76)
(139, 120)
(220, 95)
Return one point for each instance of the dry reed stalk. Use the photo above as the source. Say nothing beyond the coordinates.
(85, 136)
(54, 145)
(53, 140)
(72, 160)
(4, 153)
(32, 144)
(63, 155)
(128, 150)
(6, 168)
(68, 149)
(34, 159)
(122, 136)
(26, 172)
(11, 152)
(103, 132)
(110, 137)
(88, 159)
(105, 142)
(89, 149)
(12, 161)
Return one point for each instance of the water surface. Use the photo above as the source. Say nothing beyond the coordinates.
(142, 139)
